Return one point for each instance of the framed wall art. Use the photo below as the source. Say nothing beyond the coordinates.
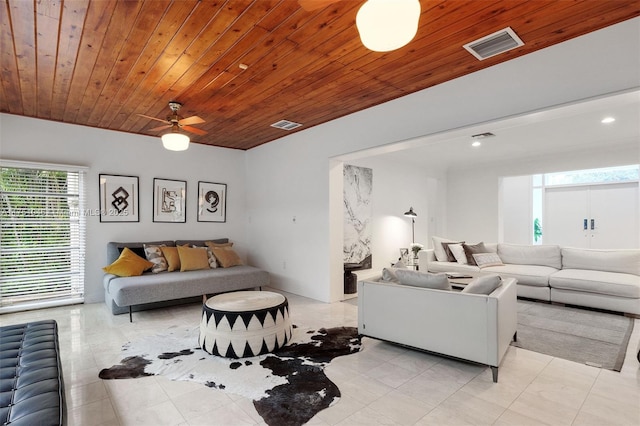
(119, 198)
(169, 200)
(212, 202)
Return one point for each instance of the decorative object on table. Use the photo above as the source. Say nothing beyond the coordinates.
(415, 249)
(272, 381)
(404, 256)
(413, 216)
(118, 198)
(358, 213)
(169, 200)
(212, 202)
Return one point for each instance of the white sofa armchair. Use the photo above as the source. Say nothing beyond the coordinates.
(603, 279)
(471, 327)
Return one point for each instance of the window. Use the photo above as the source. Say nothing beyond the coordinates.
(42, 235)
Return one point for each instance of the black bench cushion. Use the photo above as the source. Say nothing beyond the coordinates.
(31, 385)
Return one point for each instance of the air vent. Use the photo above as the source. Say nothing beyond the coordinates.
(494, 44)
(286, 125)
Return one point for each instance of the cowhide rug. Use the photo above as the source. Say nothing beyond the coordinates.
(288, 387)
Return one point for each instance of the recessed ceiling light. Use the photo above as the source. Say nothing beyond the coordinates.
(476, 144)
(608, 120)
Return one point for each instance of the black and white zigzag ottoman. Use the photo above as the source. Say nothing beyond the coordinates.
(245, 323)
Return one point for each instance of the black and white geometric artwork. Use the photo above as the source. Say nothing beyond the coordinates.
(358, 190)
(287, 387)
(118, 198)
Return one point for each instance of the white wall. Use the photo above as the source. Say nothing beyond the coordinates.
(473, 194)
(292, 175)
(515, 212)
(111, 152)
(396, 187)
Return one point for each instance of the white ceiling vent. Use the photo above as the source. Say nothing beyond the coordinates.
(286, 125)
(494, 44)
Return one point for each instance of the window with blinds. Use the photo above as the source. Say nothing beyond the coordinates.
(42, 235)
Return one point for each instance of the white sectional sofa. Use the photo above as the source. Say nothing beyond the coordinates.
(473, 327)
(603, 279)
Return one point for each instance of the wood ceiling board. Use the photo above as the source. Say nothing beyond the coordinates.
(48, 18)
(23, 29)
(11, 100)
(103, 65)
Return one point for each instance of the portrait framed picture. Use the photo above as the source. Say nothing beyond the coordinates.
(404, 255)
(169, 200)
(119, 198)
(212, 202)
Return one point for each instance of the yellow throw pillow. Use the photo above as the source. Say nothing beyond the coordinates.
(211, 244)
(173, 259)
(226, 256)
(128, 264)
(193, 258)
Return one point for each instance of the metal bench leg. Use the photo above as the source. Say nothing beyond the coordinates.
(130, 316)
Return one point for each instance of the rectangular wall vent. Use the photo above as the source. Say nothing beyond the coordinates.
(286, 125)
(494, 44)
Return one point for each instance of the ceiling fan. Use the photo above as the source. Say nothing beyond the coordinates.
(176, 122)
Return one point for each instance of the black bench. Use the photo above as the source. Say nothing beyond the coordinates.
(31, 385)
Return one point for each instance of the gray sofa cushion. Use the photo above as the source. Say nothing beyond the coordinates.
(543, 255)
(610, 283)
(423, 279)
(162, 286)
(115, 248)
(622, 261)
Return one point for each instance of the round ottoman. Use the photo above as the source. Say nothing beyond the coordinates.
(244, 324)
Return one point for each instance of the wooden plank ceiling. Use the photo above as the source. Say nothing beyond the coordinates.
(100, 63)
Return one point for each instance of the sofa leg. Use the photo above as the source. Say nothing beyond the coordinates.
(130, 315)
(515, 336)
(494, 374)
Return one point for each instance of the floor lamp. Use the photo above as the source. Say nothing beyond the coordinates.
(413, 216)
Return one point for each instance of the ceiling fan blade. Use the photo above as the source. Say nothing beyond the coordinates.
(191, 120)
(152, 118)
(311, 5)
(194, 130)
(166, 126)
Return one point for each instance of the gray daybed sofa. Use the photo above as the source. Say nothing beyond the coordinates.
(150, 290)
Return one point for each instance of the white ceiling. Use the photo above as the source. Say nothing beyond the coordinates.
(558, 130)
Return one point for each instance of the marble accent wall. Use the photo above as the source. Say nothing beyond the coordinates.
(358, 213)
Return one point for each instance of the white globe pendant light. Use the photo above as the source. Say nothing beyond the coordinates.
(386, 25)
(175, 141)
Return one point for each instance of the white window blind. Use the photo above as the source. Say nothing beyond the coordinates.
(42, 235)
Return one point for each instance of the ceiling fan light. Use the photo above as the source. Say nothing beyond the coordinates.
(175, 141)
(386, 25)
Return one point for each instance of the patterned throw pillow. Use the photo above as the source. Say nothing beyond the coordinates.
(487, 259)
(154, 255)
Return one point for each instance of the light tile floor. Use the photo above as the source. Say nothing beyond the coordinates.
(383, 384)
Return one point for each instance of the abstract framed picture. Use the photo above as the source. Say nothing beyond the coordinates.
(118, 198)
(169, 200)
(212, 202)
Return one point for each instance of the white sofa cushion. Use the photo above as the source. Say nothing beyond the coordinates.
(534, 275)
(452, 267)
(622, 261)
(483, 285)
(543, 255)
(441, 254)
(610, 283)
(423, 279)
